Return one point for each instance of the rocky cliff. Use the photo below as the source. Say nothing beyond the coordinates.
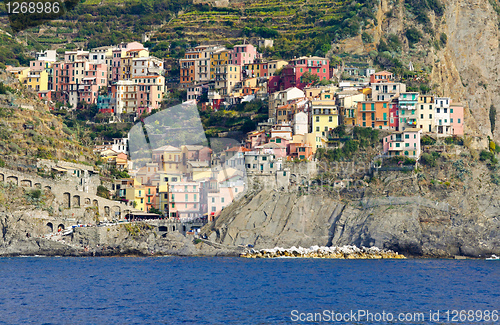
(464, 67)
(449, 210)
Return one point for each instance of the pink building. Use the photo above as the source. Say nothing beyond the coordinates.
(403, 143)
(254, 139)
(243, 54)
(278, 150)
(95, 77)
(38, 65)
(219, 200)
(184, 200)
(457, 118)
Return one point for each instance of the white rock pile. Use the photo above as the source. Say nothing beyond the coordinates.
(343, 252)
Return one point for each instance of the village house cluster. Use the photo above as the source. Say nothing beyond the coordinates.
(304, 107)
(121, 79)
(302, 117)
(187, 183)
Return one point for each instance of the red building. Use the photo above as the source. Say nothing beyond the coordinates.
(393, 114)
(291, 75)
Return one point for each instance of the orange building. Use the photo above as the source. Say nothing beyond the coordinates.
(373, 114)
(187, 67)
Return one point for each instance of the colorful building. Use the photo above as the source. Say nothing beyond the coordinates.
(403, 143)
(425, 113)
(408, 113)
(457, 118)
(374, 114)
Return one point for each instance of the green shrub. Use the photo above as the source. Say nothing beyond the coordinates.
(413, 35)
(485, 155)
(427, 141)
(428, 159)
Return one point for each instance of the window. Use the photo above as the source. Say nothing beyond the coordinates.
(451, 120)
(407, 144)
(430, 115)
(317, 118)
(451, 111)
(317, 129)
(186, 197)
(330, 118)
(213, 209)
(459, 121)
(195, 197)
(221, 200)
(397, 144)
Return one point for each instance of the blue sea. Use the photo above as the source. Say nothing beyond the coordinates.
(202, 290)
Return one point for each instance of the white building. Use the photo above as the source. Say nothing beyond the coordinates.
(300, 123)
(120, 145)
(442, 122)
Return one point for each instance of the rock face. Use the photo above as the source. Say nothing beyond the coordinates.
(270, 219)
(20, 235)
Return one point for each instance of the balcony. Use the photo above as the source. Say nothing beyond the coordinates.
(395, 148)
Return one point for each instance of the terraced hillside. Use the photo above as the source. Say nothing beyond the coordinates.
(29, 131)
(299, 27)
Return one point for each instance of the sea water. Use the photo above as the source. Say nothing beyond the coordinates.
(202, 290)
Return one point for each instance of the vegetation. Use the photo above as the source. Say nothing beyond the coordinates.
(427, 140)
(430, 159)
(103, 192)
(361, 138)
(493, 117)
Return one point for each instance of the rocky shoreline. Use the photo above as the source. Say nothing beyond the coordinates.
(343, 252)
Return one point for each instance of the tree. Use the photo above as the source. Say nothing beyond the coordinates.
(308, 77)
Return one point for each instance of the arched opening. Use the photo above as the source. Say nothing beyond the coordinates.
(12, 179)
(2, 178)
(50, 226)
(95, 203)
(164, 235)
(173, 228)
(184, 228)
(162, 228)
(26, 183)
(87, 201)
(106, 212)
(76, 201)
(67, 200)
(47, 188)
(60, 227)
(116, 214)
(38, 185)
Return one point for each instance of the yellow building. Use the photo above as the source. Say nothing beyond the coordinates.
(348, 102)
(37, 81)
(425, 108)
(218, 59)
(127, 62)
(169, 158)
(20, 73)
(137, 194)
(274, 65)
(325, 117)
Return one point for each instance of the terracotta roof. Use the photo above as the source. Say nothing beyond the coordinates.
(238, 149)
